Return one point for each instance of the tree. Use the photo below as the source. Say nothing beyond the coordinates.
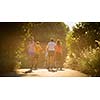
(87, 33)
(83, 45)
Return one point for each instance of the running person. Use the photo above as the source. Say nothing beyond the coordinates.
(31, 50)
(51, 51)
(58, 55)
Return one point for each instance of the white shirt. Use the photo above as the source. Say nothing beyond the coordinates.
(51, 46)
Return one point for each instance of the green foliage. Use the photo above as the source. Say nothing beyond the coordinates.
(21, 51)
(90, 61)
(87, 33)
(83, 48)
(72, 44)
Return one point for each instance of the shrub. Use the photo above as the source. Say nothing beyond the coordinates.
(83, 58)
(88, 62)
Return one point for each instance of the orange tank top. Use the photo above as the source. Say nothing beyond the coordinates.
(58, 49)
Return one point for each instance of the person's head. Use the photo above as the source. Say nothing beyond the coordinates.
(58, 42)
(37, 42)
(51, 39)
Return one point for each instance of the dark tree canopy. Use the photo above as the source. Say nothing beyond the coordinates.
(87, 32)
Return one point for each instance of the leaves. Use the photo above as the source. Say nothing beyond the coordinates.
(84, 43)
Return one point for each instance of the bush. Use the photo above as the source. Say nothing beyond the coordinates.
(88, 62)
(82, 58)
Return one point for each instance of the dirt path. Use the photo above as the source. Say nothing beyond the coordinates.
(46, 73)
